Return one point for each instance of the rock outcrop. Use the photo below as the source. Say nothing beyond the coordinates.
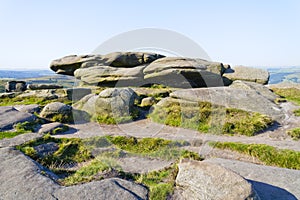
(9, 116)
(248, 74)
(67, 65)
(15, 86)
(202, 180)
(184, 72)
(123, 69)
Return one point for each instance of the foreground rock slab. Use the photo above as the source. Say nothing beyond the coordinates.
(21, 178)
(9, 116)
(201, 180)
(271, 183)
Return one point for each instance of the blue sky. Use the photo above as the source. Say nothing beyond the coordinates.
(253, 33)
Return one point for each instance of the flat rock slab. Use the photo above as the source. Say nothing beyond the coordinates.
(19, 139)
(9, 116)
(21, 178)
(248, 74)
(142, 165)
(202, 180)
(271, 183)
(248, 100)
(32, 108)
(49, 128)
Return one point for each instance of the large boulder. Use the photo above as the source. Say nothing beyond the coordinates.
(15, 86)
(248, 74)
(116, 102)
(58, 112)
(31, 108)
(112, 102)
(9, 116)
(67, 65)
(184, 72)
(202, 180)
(111, 76)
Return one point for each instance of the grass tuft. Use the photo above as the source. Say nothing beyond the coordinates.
(269, 155)
(294, 133)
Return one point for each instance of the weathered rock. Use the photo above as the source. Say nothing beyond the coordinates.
(67, 65)
(107, 189)
(153, 92)
(270, 183)
(201, 180)
(184, 72)
(148, 101)
(116, 102)
(44, 94)
(49, 128)
(32, 108)
(259, 88)
(19, 139)
(43, 86)
(76, 94)
(21, 178)
(56, 108)
(15, 86)
(248, 100)
(9, 116)
(8, 95)
(87, 104)
(43, 150)
(248, 74)
(111, 76)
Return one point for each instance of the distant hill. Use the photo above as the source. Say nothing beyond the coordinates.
(22, 74)
(278, 75)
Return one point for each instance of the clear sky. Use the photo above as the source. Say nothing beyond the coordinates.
(250, 32)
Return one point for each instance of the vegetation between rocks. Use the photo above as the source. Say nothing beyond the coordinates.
(294, 133)
(19, 129)
(77, 153)
(290, 94)
(269, 155)
(206, 118)
(30, 100)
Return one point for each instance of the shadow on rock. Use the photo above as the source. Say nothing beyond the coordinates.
(270, 192)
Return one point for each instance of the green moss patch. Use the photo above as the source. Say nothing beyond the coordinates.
(290, 94)
(294, 133)
(206, 118)
(267, 154)
(19, 129)
(70, 151)
(30, 100)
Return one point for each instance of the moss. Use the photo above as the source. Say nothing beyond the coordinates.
(160, 183)
(30, 100)
(208, 119)
(267, 154)
(294, 133)
(290, 94)
(20, 128)
(70, 151)
(108, 119)
(63, 118)
(59, 130)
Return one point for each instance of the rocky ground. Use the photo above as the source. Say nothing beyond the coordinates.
(92, 111)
